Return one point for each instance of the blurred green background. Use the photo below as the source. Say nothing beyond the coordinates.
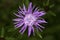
(52, 28)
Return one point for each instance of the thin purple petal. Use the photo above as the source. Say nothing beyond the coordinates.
(36, 9)
(42, 13)
(29, 31)
(23, 29)
(39, 13)
(30, 8)
(33, 30)
(17, 15)
(22, 11)
(19, 24)
(41, 21)
(24, 8)
(17, 19)
(40, 26)
(15, 22)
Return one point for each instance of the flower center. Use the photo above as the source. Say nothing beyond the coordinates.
(29, 19)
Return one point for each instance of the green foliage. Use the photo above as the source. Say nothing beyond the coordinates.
(51, 31)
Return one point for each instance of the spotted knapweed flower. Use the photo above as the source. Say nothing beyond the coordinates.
(29, 18)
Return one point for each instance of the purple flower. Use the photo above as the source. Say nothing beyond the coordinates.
(29, 17)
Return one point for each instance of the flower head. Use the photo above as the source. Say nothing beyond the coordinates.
(29, 17)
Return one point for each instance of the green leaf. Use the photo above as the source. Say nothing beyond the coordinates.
(51, 13)
(11, 30)
(49, 37)
(26, 2)
(38, 33)
(52, 29)
(51, 6)
(46, 3)
(10, 38)
(2, 32)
